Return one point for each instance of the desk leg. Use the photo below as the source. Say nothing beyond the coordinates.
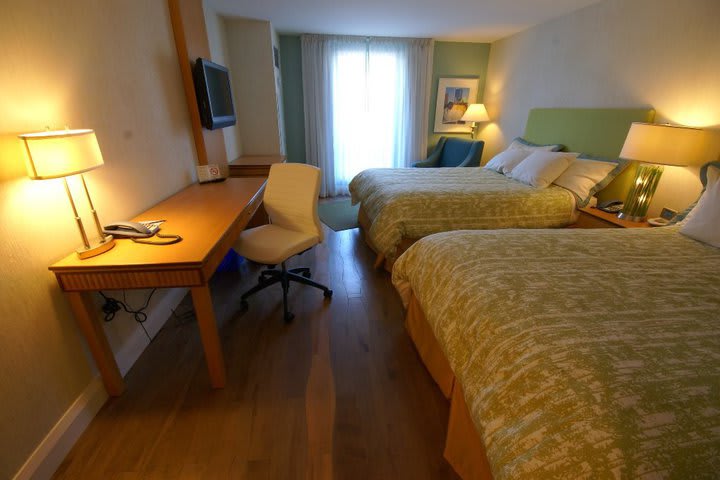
(209, 335)
(98, 343)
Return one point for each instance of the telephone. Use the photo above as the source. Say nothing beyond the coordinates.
(132, 229)
(610, 206)
(137, 231)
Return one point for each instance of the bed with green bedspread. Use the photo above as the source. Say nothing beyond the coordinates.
(416, 202)
(410, 204)
(581, 353)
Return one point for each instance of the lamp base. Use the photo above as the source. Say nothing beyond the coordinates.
(96, 248)
(630, 218)
(639, 197)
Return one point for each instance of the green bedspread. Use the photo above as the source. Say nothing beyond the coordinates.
(581, 353)
(416, 202)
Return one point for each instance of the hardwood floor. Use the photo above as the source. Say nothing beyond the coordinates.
(339, 393)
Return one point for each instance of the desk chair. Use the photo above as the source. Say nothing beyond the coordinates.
(454, 152)
(291, 198)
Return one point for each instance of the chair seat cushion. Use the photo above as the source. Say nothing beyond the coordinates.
(271, 245)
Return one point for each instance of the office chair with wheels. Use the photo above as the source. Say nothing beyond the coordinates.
(290, 199)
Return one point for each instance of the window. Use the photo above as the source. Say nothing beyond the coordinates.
(365, 104)
(367, 99)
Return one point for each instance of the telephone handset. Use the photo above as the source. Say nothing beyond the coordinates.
(137, 231)
(611, 206)
(131, 229)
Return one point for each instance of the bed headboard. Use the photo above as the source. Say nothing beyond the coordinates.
(595, 131)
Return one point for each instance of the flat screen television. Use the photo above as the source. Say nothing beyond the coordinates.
(212, 86)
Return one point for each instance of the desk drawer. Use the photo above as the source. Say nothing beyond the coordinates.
(84, 281)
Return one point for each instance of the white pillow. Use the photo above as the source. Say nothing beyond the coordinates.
(541, 167)
(712, 175)
(522, 144)
(704, 224)
(586, 177)
(505, 161)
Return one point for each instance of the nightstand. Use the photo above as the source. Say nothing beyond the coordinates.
(591, 217)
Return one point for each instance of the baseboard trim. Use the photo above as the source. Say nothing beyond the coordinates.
(53, 449)
(135, 344)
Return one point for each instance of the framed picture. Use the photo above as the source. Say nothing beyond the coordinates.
(453, 97)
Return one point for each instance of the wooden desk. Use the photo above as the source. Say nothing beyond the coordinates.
(253, 165)
(209, 217)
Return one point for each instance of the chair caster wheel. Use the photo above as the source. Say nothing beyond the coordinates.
(243, 305)
(306, 274)
(328, 293)
(289, 317)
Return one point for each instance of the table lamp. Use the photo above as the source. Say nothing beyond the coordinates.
(475, 113)
(657, 145)
(60, 154)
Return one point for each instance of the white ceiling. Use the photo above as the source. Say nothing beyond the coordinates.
(460, 20)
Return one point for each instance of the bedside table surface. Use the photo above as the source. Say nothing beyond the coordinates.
(612, 218)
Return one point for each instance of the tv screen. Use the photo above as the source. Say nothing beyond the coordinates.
(212, 86)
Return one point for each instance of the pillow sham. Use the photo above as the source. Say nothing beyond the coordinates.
(709, 175)
(704, 224)
(541, 168)
(506, 160)
(588, 175)
(520, 143)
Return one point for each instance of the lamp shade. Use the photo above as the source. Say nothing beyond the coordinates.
(475, 112)
(61, 153)
(665, 144)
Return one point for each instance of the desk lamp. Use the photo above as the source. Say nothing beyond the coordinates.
(63, 153)
(475, 113)
(657, 145)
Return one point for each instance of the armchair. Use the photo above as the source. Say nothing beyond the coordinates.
(454, 152)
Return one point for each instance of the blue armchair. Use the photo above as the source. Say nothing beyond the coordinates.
(454, 152)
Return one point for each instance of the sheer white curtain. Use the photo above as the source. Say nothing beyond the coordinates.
(366, 104)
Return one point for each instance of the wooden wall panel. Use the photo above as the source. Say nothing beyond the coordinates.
(191, 42)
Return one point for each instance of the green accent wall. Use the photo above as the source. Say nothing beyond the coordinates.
(456, 60)
(450, 59)
(294, 112)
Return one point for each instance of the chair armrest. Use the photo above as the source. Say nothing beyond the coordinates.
(473, 156)
(434, 159)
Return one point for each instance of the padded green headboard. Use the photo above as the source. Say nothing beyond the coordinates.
(595, 131)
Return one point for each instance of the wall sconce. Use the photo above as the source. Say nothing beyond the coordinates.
(60, 154)
(476, 112)
(657, 144)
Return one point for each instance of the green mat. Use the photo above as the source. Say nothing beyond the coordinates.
(338, 214)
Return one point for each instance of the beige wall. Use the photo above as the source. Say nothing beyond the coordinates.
(110, 66)
(250, 60)
(218, 54)
(617, 53)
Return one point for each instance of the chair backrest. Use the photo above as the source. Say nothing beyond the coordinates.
(291, 197)
(455, 151)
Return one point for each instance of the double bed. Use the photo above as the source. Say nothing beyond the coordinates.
(571, 353)
(399, 206)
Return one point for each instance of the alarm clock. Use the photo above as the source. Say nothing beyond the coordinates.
(666, 216)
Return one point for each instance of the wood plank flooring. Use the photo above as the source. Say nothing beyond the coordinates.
(339, 393)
